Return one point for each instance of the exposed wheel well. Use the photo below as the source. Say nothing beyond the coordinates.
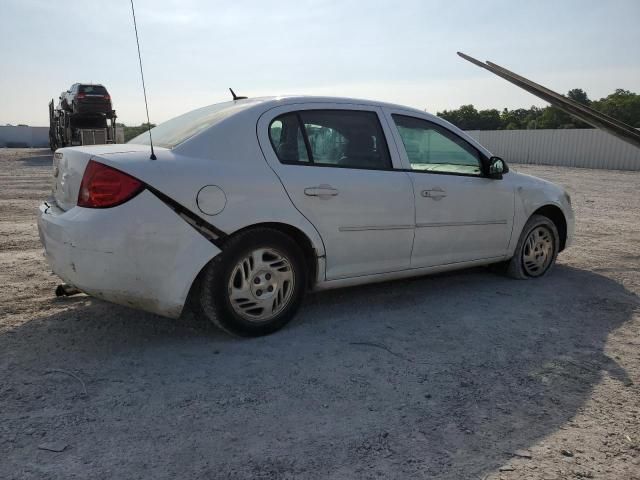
(554, 214)
(310, 254)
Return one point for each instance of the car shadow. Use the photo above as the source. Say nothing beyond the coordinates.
(37, 161)
(437, 377)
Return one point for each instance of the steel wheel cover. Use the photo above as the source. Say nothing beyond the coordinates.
(537, 253)
(261, 285)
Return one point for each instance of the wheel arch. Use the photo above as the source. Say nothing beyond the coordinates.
(309, 251)
(556, 215)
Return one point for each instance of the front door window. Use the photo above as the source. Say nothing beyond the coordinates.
(431, 148)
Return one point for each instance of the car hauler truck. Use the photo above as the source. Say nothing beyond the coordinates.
(68, 128)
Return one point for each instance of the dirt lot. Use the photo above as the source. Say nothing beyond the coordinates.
(460, 376)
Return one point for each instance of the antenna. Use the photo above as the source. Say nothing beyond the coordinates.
(144, 90)
(236, 97)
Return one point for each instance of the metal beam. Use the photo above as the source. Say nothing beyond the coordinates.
(582, 112)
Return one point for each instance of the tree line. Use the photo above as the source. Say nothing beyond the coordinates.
(132, 132)
(622, 105)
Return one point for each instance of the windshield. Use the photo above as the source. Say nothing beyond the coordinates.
(175, 131)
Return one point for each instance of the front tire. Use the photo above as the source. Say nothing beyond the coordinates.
(256, 285)
(536, 251)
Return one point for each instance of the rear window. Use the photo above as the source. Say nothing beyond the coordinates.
(175, 131)
(93, 89)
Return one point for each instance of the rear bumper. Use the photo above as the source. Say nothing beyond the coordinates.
(140, 254)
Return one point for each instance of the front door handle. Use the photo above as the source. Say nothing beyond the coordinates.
(434, 194)
(322, 191)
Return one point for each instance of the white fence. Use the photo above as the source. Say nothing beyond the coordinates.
(24, 137)
(35, 137)
(587, 148)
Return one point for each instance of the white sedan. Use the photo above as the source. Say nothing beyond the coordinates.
(253, 202)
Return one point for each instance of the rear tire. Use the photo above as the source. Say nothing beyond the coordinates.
(536, 251)
(256, 285)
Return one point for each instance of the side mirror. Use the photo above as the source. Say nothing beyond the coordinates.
(496, 167)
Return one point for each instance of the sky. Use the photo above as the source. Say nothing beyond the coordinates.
(400, 52)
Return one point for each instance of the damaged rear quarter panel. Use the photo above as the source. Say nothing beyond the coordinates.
(140, 254)
(229, 157)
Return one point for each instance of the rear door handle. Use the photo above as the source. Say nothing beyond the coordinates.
(434, 194)
(322, 191)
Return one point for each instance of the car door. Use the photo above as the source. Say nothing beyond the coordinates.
(336, 166)
(461, 214)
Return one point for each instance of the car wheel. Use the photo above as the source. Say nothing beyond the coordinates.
(536, 250)
(256, 285)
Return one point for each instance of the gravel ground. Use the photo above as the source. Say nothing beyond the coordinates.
(459, 376)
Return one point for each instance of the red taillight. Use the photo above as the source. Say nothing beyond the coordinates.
(104, 187)
(107, 97)
(80, 96)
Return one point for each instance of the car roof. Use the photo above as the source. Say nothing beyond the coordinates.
(269, 102)
(255, 107)
(88, 84)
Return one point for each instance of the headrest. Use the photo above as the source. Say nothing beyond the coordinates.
(360, 143)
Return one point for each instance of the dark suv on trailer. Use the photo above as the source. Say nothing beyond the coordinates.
(86, 98)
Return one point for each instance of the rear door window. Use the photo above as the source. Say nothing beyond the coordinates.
(337, 138)
(287, 139)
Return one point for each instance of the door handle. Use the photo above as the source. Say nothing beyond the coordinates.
(434, 194)
(322, 191)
